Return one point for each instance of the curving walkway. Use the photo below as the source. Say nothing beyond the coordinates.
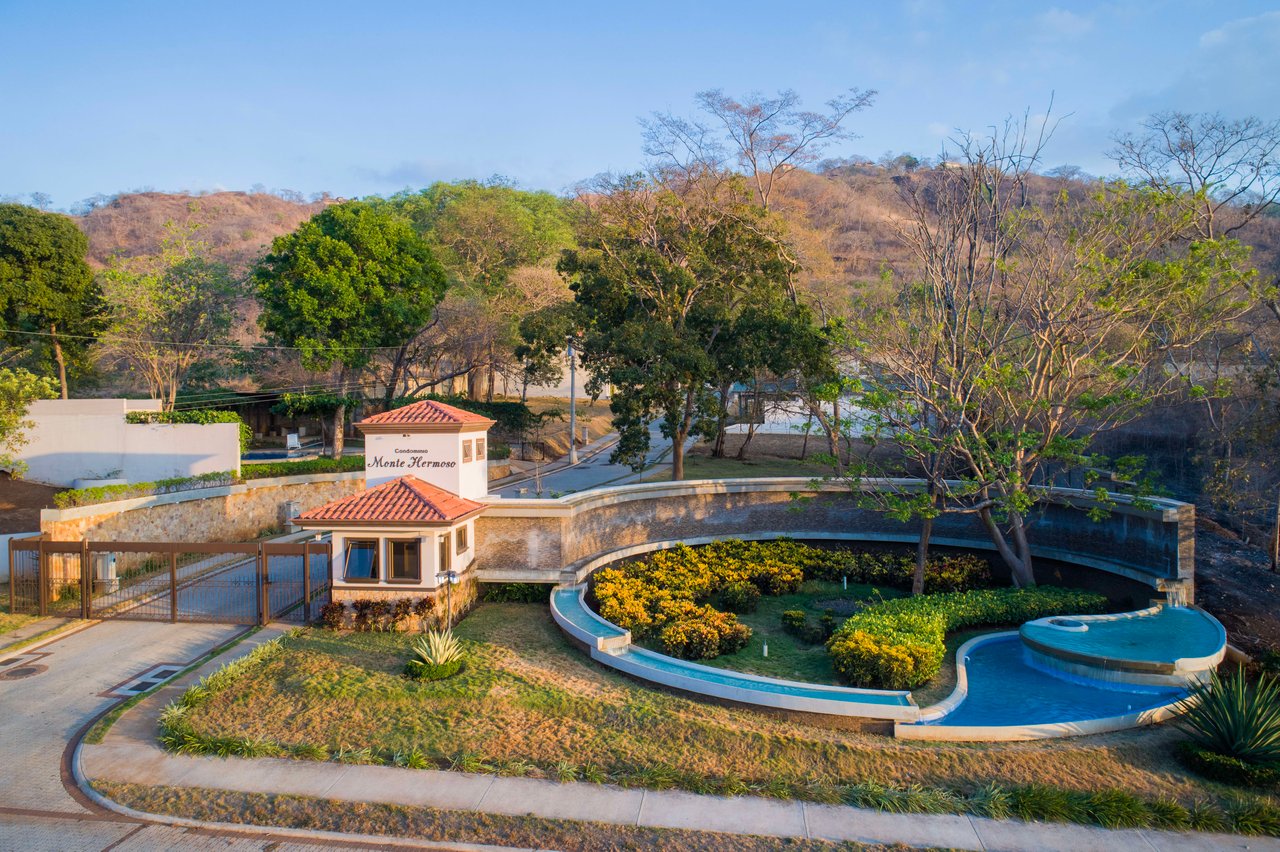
(130, 754)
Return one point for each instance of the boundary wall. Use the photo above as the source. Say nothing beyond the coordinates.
(564, 539)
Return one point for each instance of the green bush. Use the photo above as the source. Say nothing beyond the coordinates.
(899, 644)
(704, 637)
(302, 467)
(741, 597)
(198, 416)
(419, 670)
(536, 593)
(1228, 770)
(1234, 718)
(107, 493)
(793, 621)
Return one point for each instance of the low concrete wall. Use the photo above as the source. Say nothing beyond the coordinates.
(536, 540)
(229, 513)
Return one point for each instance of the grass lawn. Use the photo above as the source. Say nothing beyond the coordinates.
(8, 620)
(790, 657)
(527, 702)
(525, 832)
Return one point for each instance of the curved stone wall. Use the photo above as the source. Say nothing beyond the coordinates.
(562, 540)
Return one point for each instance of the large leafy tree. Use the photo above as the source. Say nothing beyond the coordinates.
(664, 272)
(18, 389)
(354, 280)
(47, 291)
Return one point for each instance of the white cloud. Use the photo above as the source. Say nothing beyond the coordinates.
(1062, 23)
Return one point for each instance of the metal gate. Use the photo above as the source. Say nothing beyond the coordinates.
(230, 582)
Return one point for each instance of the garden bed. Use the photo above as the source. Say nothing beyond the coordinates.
(529, 703)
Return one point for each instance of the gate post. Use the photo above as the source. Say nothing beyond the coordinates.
(13, 579)
(42, 577)
(86, 581)
(173, 586)
(264, 595)
(306, 582)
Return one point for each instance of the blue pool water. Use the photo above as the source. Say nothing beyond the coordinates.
(670, 665)
(570, 606)
(1006, 688)
(1164, 636)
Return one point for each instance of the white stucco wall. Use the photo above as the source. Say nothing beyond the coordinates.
(434, 457)
(429, 542)
(89, 439)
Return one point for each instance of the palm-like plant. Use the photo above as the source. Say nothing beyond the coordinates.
(438, 648)
(1233, 717)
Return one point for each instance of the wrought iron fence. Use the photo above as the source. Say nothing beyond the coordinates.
(230, 582)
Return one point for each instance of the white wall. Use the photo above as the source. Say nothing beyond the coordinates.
(434, 457)
(88, 439)
(429, 542)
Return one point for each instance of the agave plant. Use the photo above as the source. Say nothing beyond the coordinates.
(1233, 717)
(438, 648)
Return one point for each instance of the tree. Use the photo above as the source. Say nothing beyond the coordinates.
(47, 291)
(660, 276)
(354, 279)
(1033, 328)
(169, 312)
(1232, 166)
(18, 389)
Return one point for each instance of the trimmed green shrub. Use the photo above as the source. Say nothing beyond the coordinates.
(1234, 718)
(899, 644)
(741, 597)
(302, 467)
(439, 656)
(706, 635)
(793, 621)
(536, 593)
(1227, 769)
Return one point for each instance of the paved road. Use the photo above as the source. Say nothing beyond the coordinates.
(592, 472)
(40, 714)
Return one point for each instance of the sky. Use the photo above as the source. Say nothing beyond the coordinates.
(370, 98)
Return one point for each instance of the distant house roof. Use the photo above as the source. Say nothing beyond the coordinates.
(404, 501)
(427, 415)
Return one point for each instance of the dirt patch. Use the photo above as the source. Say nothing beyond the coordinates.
(1235, 583)
(21, 502)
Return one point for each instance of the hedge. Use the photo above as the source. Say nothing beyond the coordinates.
(899, 644)
(199, 416)
(106, 493)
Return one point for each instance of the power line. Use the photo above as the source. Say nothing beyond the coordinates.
(251, 347)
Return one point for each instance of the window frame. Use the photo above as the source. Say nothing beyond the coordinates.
(391, 561)
(466, 451)
(376, 566)
(480, 448)
(462, 540)
(444, 552)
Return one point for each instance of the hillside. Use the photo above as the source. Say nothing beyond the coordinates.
(237, 225)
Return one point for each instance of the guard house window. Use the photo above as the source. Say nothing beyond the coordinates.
(479, 449)
(466, 451)
(361, 561)
(406, 561)
(461, 535)
(444, 553)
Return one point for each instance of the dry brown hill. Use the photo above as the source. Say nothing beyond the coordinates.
(238, 226)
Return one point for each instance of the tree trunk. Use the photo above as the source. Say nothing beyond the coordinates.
(397, 369)
(1019, 563)
(804, 446)
(722, 422)
(340, 417)
(58, 356)
(922, 556)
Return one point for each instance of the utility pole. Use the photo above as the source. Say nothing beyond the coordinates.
(573, 406)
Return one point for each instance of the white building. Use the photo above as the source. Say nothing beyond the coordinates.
(426, 469)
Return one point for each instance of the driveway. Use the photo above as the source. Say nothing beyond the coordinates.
(41, 713)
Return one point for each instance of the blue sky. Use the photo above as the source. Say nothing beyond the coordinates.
(360, 98)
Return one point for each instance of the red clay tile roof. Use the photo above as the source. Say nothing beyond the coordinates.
(426, 411)
(404, 500)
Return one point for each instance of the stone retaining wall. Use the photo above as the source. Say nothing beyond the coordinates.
(537, 540)
(230, 513)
